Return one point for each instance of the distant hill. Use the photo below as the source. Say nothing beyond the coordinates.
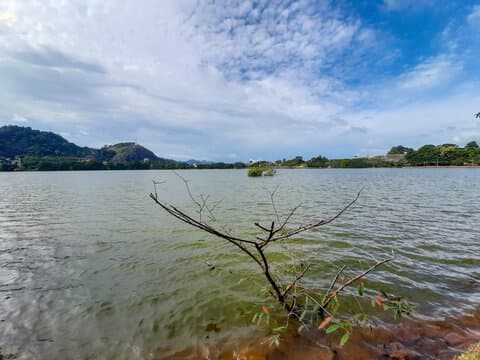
(18, 140)
(129, 151)
(24, 141)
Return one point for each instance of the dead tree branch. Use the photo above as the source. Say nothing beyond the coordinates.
(255, 249)
(331, 295)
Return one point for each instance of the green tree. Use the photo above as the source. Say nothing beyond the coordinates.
(317, 162)
(472, 145)
(426, 155)
(296, 161)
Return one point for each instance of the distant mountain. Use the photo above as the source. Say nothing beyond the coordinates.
(24, 141)
(129, 151)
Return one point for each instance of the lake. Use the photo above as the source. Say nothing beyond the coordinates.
(91, 268)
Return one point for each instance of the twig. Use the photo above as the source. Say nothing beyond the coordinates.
(289, 287)
(359, 276)
(318, 223)
(332, 284)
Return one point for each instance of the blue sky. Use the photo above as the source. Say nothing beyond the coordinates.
(233, 80)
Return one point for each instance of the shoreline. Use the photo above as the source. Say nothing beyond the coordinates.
(405, 339)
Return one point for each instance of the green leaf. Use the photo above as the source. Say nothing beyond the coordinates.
(360, 290)
(344, 339)
(332, 328)
(280, 328)
(254, 318)
(302, 316)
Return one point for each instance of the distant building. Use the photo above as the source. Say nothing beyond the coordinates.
(17, 162)
(388, 157)
(394, 157)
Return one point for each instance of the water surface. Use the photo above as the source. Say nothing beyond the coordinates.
(90, 267)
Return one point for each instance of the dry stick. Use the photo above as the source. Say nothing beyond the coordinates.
(187, 219)
(272, 194)
(359, 276)
(319, 223)
(287, 219)
(332, 284)
(289, 287)
(273, 232)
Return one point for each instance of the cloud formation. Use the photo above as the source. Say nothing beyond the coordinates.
(230, 80)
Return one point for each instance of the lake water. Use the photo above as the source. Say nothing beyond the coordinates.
(91, 268)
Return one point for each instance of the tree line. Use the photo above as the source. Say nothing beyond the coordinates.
(398, 156)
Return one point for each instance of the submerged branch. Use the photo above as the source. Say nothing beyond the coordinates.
(355, 278)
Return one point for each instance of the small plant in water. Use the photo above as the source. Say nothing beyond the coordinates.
(256, 171)
(304, 307)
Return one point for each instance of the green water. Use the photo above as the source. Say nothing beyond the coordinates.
(90, 267)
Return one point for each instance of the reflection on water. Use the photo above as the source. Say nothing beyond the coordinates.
(90, 268)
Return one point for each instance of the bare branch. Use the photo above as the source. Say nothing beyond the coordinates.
(266, 271)
(272, 200)
(205, 227)
(301, 275)
(332, 284)
(304, 228)
(285, 222)
(155, 183)
(355, 278)
(261, 227)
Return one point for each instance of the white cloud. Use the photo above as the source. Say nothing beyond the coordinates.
(200, 78)
(203, 68)
(19, 119)
(407, 4)
(443, 120)
(467, 136)
(431, 73)
(474, 16)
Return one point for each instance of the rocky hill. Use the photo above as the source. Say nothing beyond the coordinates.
(129, 151)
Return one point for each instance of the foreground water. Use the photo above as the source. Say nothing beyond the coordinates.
(91, 268)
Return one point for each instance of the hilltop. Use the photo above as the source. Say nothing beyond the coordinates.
(23, 141)
(24, 147)
(130, 151)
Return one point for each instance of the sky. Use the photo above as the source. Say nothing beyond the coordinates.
(234, 80)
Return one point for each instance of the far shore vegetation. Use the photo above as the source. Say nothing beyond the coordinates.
(22, 148)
